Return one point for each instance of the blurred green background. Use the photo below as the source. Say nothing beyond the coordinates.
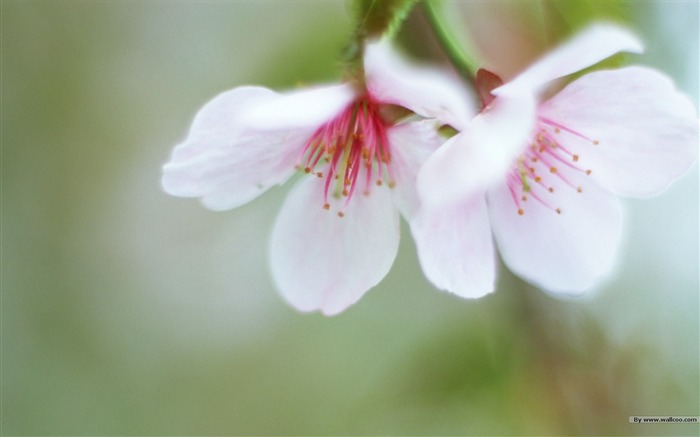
(127, 311)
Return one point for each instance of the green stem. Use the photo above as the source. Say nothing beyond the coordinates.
(465, 65)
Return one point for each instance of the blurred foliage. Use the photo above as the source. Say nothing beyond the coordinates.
(564, 18)
(129, 312)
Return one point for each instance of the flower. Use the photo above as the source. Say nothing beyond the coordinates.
(337, 233)
(542, 175)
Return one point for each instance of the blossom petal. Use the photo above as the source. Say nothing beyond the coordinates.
(300, 109)
(563, 253)
(427, 91)
(645, 131)
(411, 145)
(455, 248)
(480, 155)
(587, 48)
(224, 167)
(321, 261)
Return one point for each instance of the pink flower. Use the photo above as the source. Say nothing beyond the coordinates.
(542, 175)
(337, 233)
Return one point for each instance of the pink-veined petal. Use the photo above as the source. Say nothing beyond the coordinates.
(411, 145)
(224, 167)
(480, 155)
(594, 44)
(300, 109)
(455, 248)
(565, 252)
(321, 261)
(427, 91)
(645, 131)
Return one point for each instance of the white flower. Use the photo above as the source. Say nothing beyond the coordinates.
(542, 174)
(337, 233)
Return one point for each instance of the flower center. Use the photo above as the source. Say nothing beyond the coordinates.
(545, 163)
(350, 149)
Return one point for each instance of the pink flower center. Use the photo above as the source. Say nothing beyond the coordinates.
(545, 163)
(348, 150)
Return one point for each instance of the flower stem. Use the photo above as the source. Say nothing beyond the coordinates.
(373, 19)
(465, 65)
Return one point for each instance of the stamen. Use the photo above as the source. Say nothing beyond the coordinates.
(543, 162)
(353, 141)
(556, 125)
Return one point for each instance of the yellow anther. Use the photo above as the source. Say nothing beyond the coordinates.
(579, 189)
(550, 189)
(596, 142)
(588, 172)
(552, 169)
(558, 211)
(575, 158)
(326, 206)
(341, 214)
(520, 211)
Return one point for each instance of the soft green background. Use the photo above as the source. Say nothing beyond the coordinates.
(127, 311)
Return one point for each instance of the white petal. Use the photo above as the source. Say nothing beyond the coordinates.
(480, 155)
(646, 131)
(587, 48)
(305, 108)
(455, 247)
(427, 91)
(566, 252)
(411, 145)
(224, 167)
(321, 261)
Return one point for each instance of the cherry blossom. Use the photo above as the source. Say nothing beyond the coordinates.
(542, 174)
(357, 149)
